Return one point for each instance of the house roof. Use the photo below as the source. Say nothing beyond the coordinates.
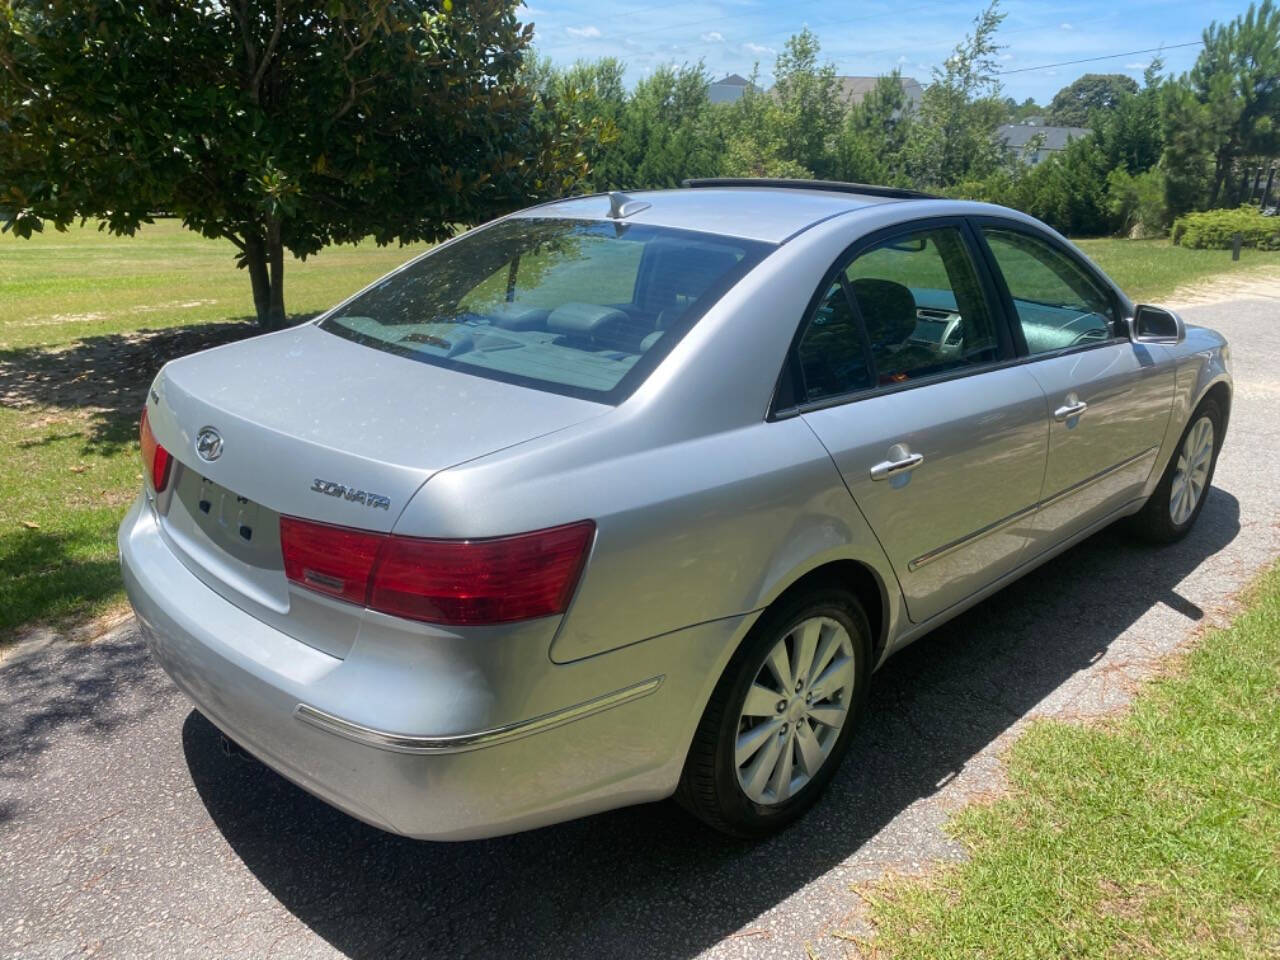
(855, 89)
(1018, 135)
(732, 80)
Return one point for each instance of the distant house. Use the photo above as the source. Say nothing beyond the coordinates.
(728, 89)
(854, 90)
(1017, 137)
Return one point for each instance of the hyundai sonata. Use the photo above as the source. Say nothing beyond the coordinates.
(626, 496)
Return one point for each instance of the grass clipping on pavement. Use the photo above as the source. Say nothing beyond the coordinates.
(1156, 834)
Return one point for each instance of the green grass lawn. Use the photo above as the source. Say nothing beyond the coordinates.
(73, 368)
(86, 319)
(1150, 270)
(1153, 835)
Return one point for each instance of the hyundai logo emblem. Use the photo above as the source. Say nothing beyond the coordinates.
(209, 444)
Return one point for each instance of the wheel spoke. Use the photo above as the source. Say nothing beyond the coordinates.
(810, 752)
(762, 766)
(752, 740)
(780, 663)
(807, 638)
(828, 715)
(780, 782)
(761, 702)
(829, 647)
(833, 678)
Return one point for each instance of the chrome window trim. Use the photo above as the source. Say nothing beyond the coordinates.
(462, 742)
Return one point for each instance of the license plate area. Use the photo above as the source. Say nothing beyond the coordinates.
(230, 522)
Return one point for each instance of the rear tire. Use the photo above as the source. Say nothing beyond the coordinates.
(764, 750)
(1171, 511)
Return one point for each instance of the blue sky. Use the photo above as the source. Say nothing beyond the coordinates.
(875, 37)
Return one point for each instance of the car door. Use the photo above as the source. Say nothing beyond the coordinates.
(903, 370)
(1109, 398)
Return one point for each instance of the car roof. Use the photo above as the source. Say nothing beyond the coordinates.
(769, 213)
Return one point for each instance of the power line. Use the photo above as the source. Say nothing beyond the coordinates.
(1110, 56)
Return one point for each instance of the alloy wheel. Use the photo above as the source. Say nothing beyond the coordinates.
(1191, 475)
(794, 710)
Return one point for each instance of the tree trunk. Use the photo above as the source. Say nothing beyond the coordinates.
(265, 263)
(255, 259)
(275, 260)
(1222, 169)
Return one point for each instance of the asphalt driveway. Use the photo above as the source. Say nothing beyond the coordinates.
(125, 831)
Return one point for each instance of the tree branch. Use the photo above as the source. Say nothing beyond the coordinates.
(270, 50)
(241, 14)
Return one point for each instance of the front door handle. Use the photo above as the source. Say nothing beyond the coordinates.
(891, 468)
(1072, 408)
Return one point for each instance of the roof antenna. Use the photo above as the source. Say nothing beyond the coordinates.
(620, 205)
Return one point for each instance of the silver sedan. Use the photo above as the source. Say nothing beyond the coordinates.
(624, 497)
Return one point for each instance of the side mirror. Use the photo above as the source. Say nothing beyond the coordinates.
(1156, 325)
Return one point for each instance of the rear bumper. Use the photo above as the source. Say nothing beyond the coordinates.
(424, 732)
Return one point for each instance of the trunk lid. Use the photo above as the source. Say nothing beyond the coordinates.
(315, 426)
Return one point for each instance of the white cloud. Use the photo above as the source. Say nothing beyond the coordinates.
(1142, 65)
(1065, 26)
(583, 32)
(713, 37)
(901, 59)
(758, 49)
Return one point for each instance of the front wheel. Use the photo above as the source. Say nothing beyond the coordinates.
(781, 717)
(1179, 497)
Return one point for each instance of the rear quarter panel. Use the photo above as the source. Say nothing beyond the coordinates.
(687, 532)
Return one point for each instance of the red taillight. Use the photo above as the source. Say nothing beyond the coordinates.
(481, 581)
(461, 582)
(155, 458)
(332, 560)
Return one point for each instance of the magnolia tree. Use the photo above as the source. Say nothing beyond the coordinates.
(275, 124)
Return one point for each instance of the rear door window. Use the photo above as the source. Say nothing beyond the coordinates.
(907, 308)
(921, 301)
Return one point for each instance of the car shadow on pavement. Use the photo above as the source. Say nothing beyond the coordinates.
(650, 881)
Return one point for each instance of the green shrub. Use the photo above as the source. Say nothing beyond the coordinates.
(1138, 204)
(1213, 229)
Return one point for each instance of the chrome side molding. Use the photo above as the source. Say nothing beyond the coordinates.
(939, 552)
(461, 742)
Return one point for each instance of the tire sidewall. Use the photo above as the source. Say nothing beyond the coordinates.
(741, 811)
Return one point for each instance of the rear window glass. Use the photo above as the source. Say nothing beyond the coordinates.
(582, 308)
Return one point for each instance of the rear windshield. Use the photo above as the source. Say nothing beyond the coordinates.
(582, 308)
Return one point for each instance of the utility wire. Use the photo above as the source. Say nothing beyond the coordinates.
(1110, 56)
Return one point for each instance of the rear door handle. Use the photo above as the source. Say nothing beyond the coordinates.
(1072, 408)
(891, 468)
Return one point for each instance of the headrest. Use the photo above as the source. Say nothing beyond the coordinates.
(516, 316)
(888, 310)
(584, 319)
